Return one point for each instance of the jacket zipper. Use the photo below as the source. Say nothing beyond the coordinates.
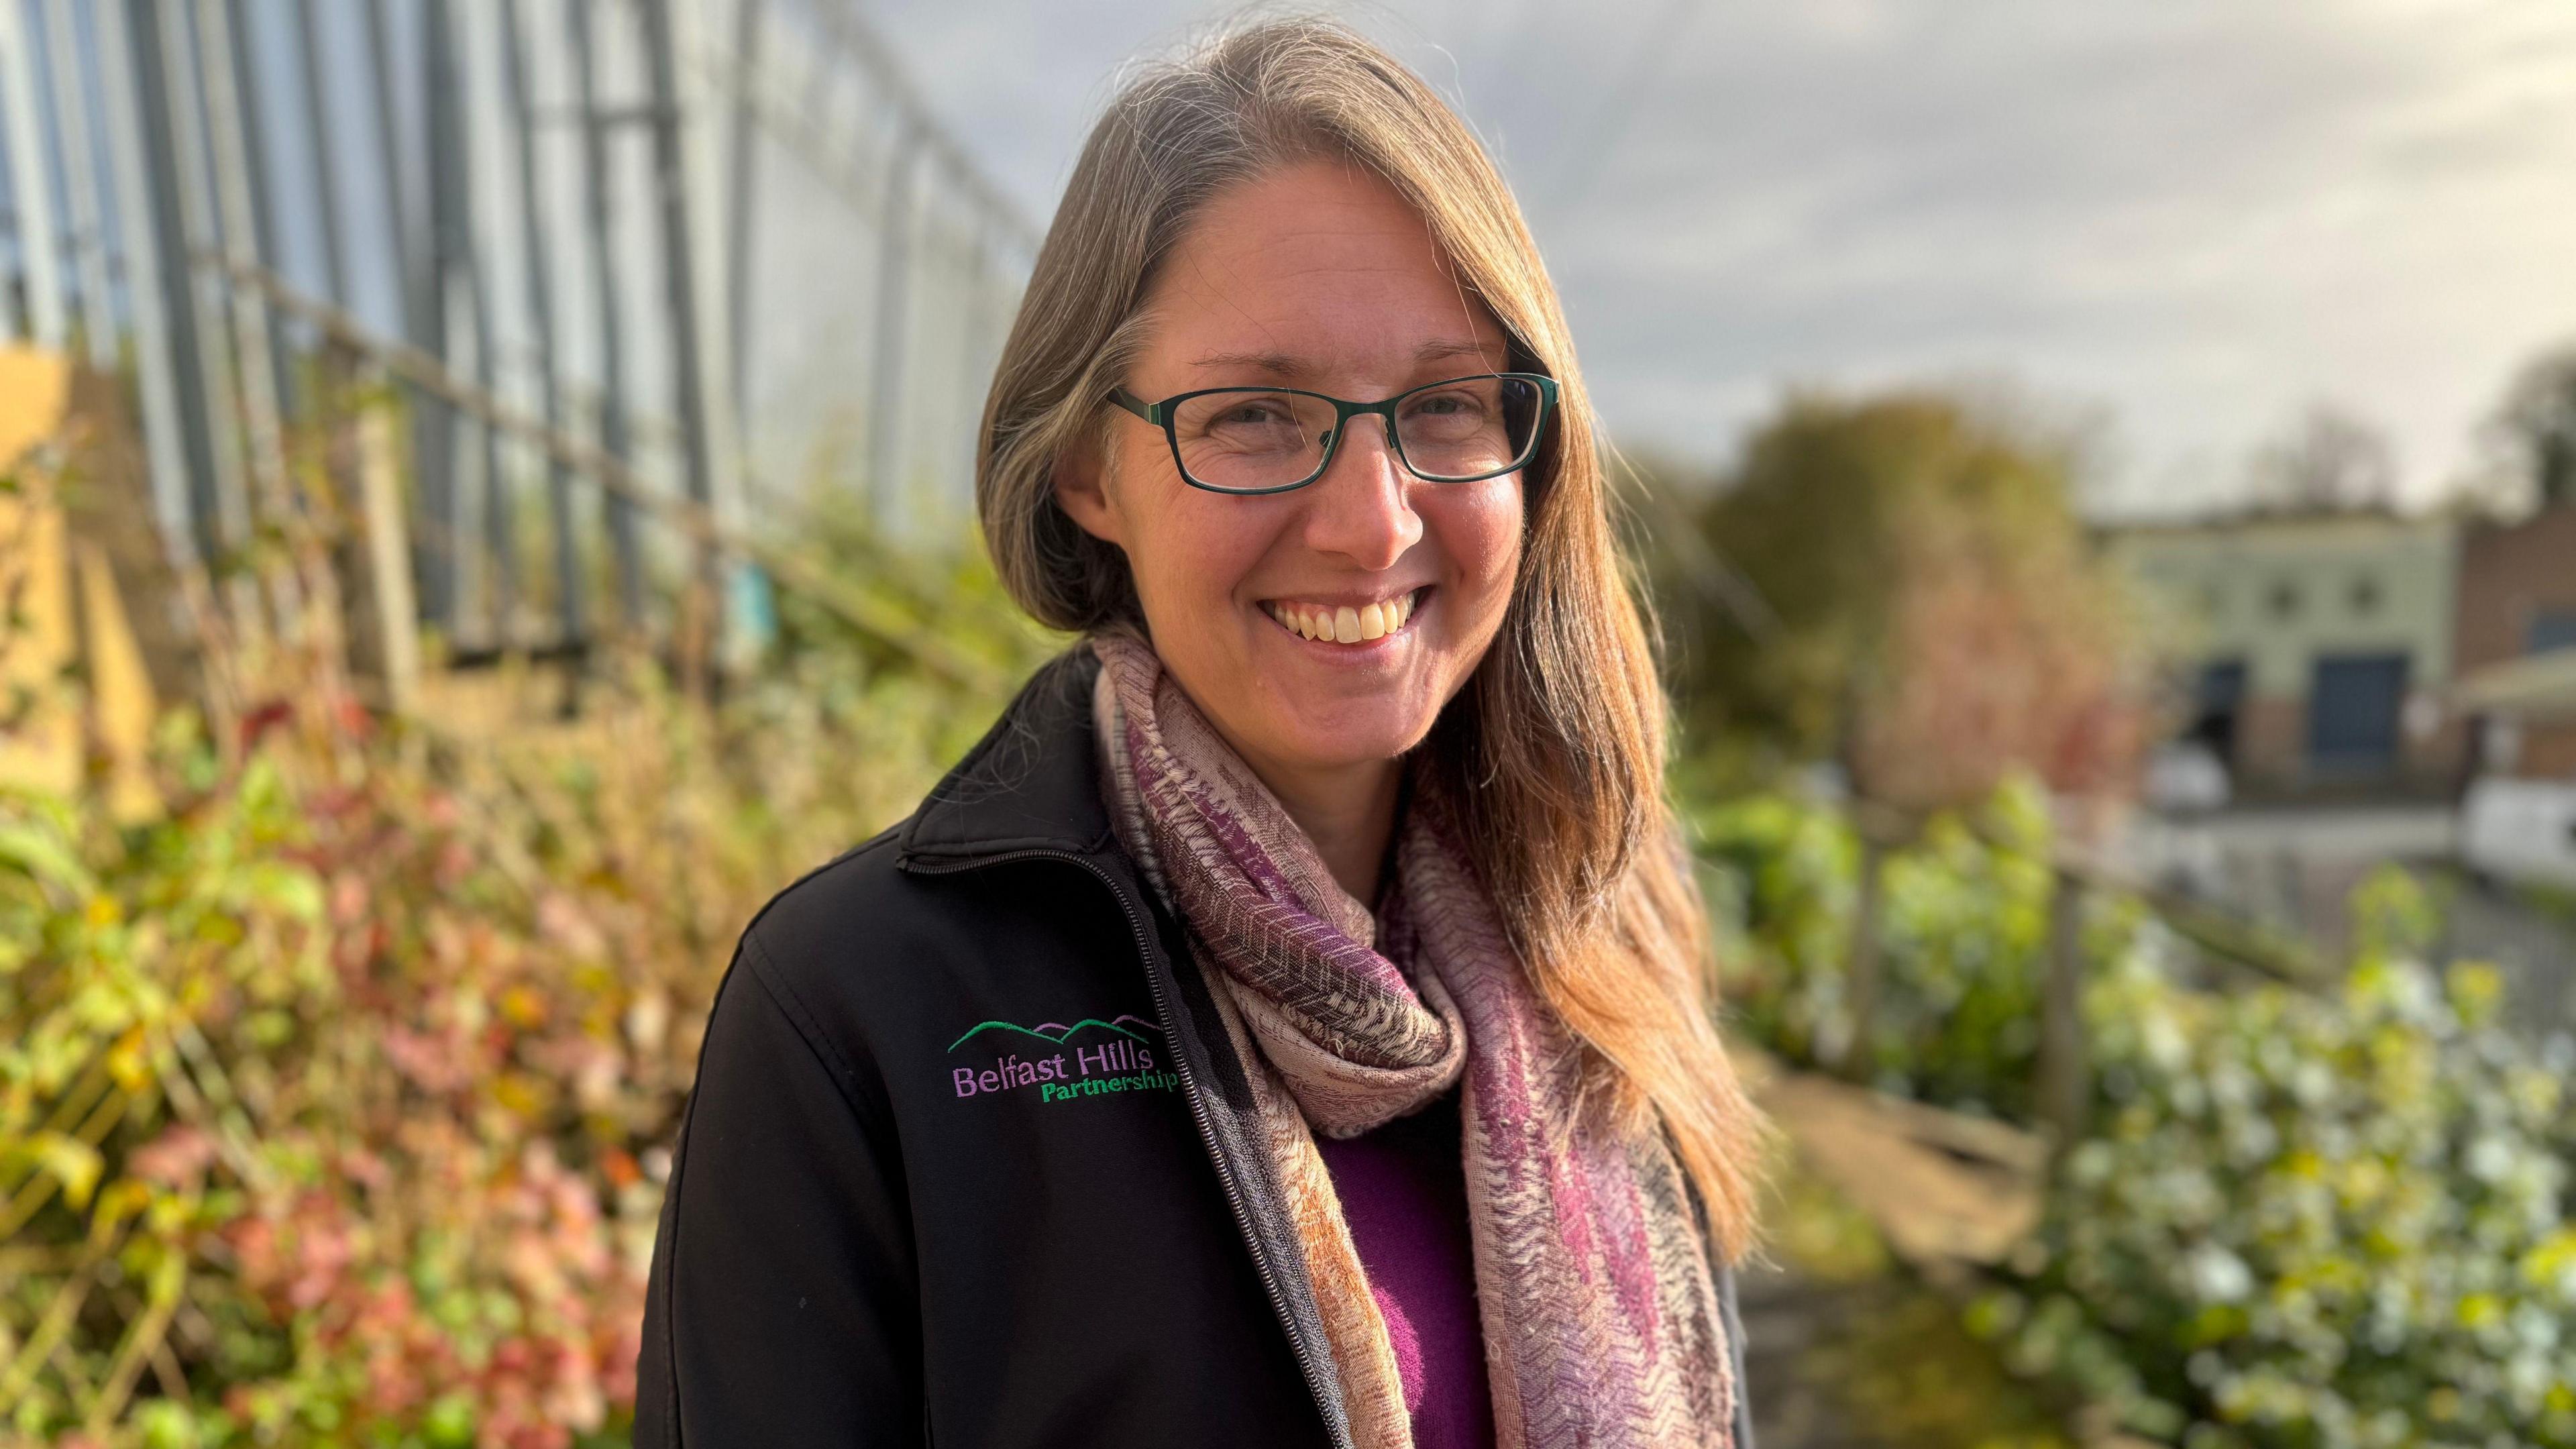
(1189, 1092)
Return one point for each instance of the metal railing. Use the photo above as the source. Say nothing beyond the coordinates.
(710, 253)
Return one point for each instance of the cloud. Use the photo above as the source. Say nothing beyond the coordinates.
(2203, 214)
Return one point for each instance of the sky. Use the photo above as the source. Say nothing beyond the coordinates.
(2187, 220)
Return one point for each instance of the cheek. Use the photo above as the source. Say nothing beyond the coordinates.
(1479, 530)
(1187, 547)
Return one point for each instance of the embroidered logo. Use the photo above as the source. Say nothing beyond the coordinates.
(1093, 1057)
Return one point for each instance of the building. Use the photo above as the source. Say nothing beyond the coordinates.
(2319, 645)
(2515, 642)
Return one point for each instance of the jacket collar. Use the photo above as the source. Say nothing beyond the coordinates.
(1032, 782)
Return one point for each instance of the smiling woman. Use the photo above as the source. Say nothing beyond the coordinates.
(1391, 1112)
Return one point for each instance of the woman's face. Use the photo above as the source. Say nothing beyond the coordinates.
(1319, 277)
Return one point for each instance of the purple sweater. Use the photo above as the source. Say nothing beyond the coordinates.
(1404, 1193)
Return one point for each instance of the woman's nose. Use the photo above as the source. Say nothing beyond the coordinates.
(1360, 509)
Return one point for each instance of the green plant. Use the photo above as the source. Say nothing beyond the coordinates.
(335, 1101)
(1962, 937)
(2316, 1219)
(2304, 1219)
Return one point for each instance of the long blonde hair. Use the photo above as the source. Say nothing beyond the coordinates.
(1554, 752)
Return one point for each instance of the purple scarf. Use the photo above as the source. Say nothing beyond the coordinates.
(1593, 1278)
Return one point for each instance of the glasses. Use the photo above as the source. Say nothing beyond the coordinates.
(1271, 439)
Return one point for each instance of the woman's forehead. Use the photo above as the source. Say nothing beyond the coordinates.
(1309, 271)
(1373, 353)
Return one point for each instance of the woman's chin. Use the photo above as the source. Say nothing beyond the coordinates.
(1346, 742)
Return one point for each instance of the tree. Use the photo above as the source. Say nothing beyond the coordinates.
(2535, 427)
(2329, 462)
(1938, 619)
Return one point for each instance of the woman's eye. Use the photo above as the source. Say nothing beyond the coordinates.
(1445, 405)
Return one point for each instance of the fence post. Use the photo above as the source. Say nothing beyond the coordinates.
(2065, 1086)
(397, 613)
(1861, 974)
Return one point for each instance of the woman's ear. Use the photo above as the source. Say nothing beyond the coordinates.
(1081, 490)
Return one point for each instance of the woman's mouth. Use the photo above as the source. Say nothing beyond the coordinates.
(1335, 623)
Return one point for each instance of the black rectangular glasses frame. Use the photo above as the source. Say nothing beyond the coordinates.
(1161, 415)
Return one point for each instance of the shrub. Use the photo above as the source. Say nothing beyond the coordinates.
(1963, 937)
(2316, 1219)
(2302, 1220)
(334, 1103)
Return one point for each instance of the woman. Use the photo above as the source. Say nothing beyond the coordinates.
(1286, 1027)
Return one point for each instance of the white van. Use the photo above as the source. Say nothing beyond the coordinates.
(2520, 830)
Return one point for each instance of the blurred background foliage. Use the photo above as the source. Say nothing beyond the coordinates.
(2301, 1218)
(336, 1096)
(1914, 599)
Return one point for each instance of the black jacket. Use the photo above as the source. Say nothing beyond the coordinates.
(944, 1179)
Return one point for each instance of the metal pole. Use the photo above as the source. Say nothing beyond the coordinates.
(80, 176)
(612, 347)
(261, 371)
(380, 52)
(248, 133)
(742, 177)
(885, 373)
(569, 602)
(147, 281)
(453, 142)
(425, 327)
(326, 152)
(192, 213)
(444, 503)
(38, 240)
(679, 280)
(747, 620)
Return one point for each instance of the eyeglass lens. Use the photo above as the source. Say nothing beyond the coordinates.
(1251, 438)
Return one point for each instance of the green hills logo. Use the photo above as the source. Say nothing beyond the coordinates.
(1057, 1033)
(1094, 1056)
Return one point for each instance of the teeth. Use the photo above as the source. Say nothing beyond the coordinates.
(1345, 625)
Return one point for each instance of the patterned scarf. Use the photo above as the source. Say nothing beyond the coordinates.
(1601, 1320)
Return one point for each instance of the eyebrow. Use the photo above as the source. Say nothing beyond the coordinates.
(1283, 365)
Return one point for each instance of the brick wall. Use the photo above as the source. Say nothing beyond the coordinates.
(2509, 574)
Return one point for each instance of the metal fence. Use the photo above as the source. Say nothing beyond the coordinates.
(645, 275)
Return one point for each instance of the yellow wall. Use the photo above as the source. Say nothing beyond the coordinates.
(57, 588)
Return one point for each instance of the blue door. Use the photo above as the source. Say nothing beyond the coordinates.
(2355, 704)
